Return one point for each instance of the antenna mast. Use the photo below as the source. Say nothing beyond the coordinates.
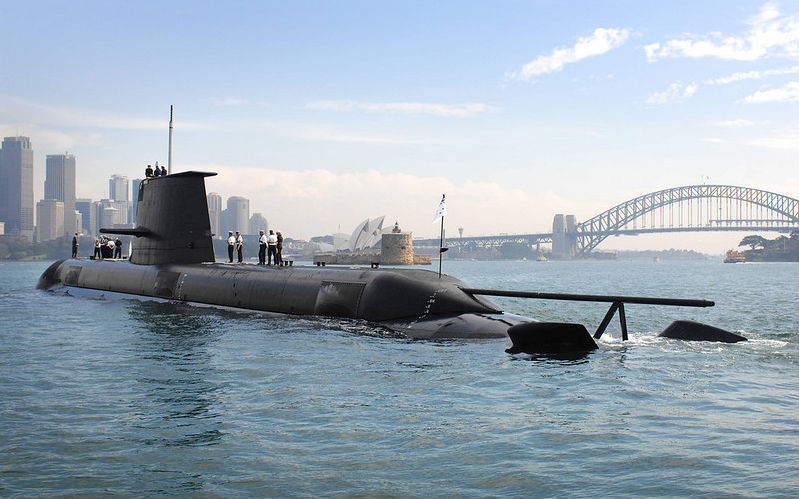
(169, 160)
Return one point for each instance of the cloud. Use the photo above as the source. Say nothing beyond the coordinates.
(322, 135)
(739, 123)
(601, 41)
(752, 75)
(714, 140)
(410, 108)
(310, 202)
(676, 92)
(16, 110)
(787, 141)
(769, 35)
(229, 101)
(788, 93)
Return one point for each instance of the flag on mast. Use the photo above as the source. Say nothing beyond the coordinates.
(442, 209)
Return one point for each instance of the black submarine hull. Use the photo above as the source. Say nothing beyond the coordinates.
(413, 302)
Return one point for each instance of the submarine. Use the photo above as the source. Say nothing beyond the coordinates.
(172, 259)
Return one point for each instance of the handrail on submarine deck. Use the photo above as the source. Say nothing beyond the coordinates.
(617, 303)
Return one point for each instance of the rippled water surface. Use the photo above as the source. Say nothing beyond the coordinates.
(141, 398)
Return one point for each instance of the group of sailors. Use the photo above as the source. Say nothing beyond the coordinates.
(270, 247)
(106, 247)
(159, 171)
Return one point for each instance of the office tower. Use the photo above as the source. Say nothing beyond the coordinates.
(16, 186)
(215, 213)
(135, 185)
(258, 222)
(237, 214)
(88, 216)
(50, 219)
(59, 184)
(119, 190)
(109, 213)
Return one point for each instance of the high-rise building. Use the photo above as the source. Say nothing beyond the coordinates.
(59, 184)
(119, 190)
(215, 213)
(16, 186)
(109, 213)
(135, 185)
(258, 222)
(237, 214)
(88, 216)
(49, 219)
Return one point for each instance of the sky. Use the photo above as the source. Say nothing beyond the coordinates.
(324, 114)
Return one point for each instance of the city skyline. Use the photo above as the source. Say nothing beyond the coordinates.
(323, 115)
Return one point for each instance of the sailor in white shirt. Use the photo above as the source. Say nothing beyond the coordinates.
(239, 244)
(262, 242)
(231, 242)
(272, 242)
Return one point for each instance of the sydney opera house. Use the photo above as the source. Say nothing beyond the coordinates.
(365, 235)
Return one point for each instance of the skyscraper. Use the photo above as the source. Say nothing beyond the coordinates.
(215, 213)
(88, 216)
(49, 219)
(135, 184)
(119, 190)
(59, 184)
(258, 222)
(237, 214)
(16, 186)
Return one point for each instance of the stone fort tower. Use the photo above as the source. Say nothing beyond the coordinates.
(396, 247)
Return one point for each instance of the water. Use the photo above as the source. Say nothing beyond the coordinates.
(143, 399)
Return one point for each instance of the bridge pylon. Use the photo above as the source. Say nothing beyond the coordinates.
(564, 236)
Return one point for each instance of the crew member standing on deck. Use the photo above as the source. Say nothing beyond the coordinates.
(279, 253)
(75, 246)
(239, 245)
(118, 248)
(231, 242)
(272, 242)
(97, 253)
(262, 242)
(148, 172)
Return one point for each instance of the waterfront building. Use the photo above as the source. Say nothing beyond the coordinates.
(16, 186)
(59, 184)
(49, 219)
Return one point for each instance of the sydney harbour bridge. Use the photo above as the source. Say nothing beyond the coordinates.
(692, 208)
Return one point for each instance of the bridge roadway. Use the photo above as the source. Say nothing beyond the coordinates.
(540, 238)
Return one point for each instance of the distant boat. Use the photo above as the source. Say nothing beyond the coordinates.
(734, 257)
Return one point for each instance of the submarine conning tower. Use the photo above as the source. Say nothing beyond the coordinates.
(172, 223)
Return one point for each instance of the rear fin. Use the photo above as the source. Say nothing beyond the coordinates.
(172, 223)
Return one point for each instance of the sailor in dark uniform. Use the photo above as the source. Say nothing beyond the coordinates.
(75, 246)
(148, 172)
(118, 248)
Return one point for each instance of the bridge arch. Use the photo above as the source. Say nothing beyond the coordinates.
(734, 208)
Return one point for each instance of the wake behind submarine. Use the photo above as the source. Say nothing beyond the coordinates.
(172, 258)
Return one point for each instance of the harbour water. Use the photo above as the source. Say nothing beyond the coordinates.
(103, 397)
